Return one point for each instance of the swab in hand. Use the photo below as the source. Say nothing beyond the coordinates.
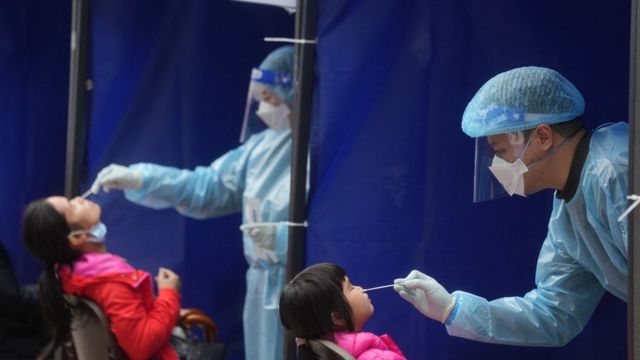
(377, 287)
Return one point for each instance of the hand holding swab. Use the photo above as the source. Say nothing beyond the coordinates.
(377, 287)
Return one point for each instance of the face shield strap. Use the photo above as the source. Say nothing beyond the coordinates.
(524, 149)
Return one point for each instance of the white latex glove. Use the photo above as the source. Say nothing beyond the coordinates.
(262, 234)
(426, 294)
(117, 176)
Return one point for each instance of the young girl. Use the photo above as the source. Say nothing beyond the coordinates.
(320, 303)
(68, 237)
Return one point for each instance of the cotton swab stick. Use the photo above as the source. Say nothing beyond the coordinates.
(377, 287)
(86, 194)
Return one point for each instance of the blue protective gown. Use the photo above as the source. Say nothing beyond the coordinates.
(255, 179)
(583, 255)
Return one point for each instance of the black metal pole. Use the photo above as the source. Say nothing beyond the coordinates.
(304, 73)
(633, 306)
(79, 85)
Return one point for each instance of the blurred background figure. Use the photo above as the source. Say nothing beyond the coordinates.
(253, 179)
(69, 238)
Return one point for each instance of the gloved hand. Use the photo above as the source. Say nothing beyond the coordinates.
(426, 294)
(263, 234)
(117, 176)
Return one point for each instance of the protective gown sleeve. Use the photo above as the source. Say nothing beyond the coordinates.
(206, 191)
(550, 315)
(606, 186)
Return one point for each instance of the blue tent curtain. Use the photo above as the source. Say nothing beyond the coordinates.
(391, 170)
(393, 80)
(34, 71)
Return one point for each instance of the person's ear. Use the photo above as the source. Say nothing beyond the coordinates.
(338, 319)
(77, 240)
(544, 136)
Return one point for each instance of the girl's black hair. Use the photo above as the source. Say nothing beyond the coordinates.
(308, 301)
(45, 235)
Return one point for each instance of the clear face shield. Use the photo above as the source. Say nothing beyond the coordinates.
(265, 108)
(499, 169)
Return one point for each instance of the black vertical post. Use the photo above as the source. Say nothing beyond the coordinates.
(79, 85)
(304, 73)
(633, 310)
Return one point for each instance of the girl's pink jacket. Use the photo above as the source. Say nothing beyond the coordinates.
(368, 346)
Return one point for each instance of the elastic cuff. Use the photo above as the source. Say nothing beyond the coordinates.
(453, 312)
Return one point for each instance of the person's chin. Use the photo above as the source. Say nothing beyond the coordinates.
(528, 192)
(369, 317)
(101, 248)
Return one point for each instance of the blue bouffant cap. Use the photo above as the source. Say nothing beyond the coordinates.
(521, 99)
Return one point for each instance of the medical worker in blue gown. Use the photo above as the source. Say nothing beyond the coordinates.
(529, 137)
(253, 179)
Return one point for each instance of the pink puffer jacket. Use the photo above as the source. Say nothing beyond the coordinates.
(368, 346)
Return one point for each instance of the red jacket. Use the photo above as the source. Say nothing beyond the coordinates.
(141, 323)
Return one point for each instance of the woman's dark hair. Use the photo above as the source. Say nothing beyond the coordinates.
(308, 301)
(45, 234)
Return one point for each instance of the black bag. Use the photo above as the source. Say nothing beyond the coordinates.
(190, 347)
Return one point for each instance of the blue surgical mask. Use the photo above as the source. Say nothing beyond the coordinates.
(97, 233)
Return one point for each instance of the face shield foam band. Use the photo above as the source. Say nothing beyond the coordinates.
(273, 78)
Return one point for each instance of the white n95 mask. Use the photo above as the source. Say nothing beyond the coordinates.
(510, 175)
(276, 117)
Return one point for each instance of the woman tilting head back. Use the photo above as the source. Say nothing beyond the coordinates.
(46, 235)
(68, 237)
